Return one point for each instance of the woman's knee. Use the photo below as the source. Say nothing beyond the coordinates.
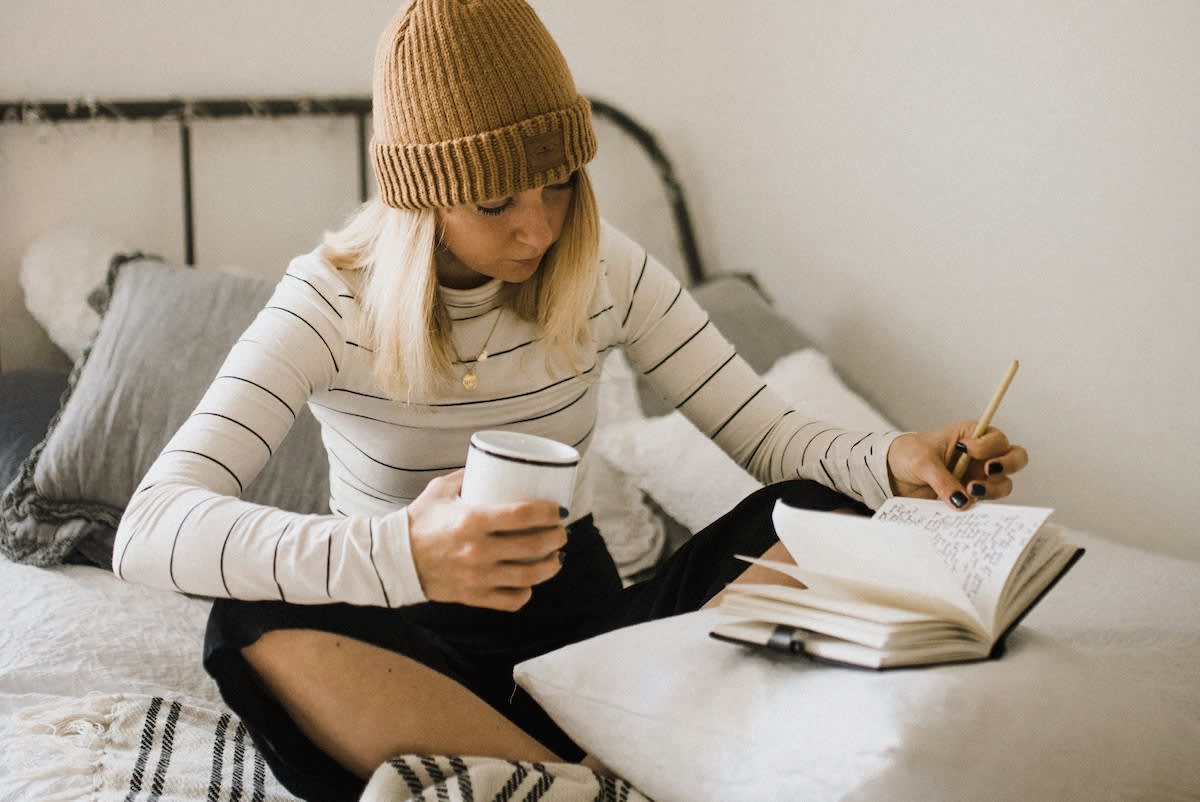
(361, 704)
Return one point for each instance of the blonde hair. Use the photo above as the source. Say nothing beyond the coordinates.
(404, 320)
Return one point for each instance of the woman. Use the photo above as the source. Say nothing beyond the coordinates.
(479, 291)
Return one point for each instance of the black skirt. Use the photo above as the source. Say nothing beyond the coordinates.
(478, 647)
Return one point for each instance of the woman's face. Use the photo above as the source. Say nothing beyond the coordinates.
(504, 238)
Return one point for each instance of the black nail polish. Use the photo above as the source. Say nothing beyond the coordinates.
(563, 512)
(562, 557)
(994, 468)
(958, 499)
(960, 447)
(978, 490)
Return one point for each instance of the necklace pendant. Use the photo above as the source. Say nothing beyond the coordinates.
(469, 380)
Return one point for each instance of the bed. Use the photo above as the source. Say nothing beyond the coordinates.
(102, 695)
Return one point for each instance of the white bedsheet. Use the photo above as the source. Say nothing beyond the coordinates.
(1127, 620)
(73, 630)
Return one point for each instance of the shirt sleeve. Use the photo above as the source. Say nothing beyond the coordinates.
(186, 529)
(670, 340)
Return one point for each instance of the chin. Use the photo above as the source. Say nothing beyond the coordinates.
(521, 272)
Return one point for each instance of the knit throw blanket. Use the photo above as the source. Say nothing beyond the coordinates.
(474, 779)
(129, 748)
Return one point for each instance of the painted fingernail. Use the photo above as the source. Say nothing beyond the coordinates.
(562, 557)
(960, 447)
(958, 499)
(994, 468)
(978, 490)
(563, 512)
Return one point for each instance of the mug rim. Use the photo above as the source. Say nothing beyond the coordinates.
(486, 441)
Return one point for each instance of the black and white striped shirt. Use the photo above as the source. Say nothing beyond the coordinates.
(185, 527)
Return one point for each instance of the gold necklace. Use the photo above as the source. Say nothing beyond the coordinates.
(470, 380)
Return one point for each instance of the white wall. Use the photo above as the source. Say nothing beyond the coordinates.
(933, 189)
(930, 188)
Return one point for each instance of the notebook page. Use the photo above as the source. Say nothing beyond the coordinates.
(979, 545)
(895, 558)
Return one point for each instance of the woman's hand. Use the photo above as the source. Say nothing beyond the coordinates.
(919, 464)
(482, 555)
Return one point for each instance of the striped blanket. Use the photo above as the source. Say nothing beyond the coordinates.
(135, 748)
(474, 779)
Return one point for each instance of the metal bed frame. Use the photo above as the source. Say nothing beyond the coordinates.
(187, 111)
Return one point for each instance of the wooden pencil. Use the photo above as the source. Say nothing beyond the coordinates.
(985, 420)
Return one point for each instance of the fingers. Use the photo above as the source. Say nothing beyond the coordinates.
(447, 486)
(527, 574)
(992, 488)
(993, 458)
(482, 555)
(509, 585)
(944, 485)
(523, 547)
(506, 599)
(991, 443)
(1016, 459)
(920, 464)
(500, 571)
(517, 546)
(519, 516)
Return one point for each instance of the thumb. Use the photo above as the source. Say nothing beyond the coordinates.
(942, 482)
(456, 479)
(448, 485)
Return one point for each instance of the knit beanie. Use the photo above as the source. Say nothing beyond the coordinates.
(472, 101)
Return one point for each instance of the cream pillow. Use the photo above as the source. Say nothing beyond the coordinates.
(633, 533)
(689, 476)
(58, 270)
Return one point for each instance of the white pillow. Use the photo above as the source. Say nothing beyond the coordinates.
(1096, 698)
(693, 480)
(633, 533)
(58, 271)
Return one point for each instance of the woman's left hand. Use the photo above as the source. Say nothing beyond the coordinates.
(920, 463)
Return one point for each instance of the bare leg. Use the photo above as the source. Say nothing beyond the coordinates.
(362, 704)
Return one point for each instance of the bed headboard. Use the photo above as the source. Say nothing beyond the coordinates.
(249, 183)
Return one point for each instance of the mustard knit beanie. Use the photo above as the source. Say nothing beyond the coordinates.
(472, 101)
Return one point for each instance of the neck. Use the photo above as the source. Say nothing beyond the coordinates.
(454, 274)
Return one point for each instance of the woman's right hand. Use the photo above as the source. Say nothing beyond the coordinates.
(482, 555)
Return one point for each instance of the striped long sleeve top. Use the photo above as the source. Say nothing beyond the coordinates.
(186, 529)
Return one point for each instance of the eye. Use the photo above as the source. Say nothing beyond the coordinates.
(494, 210)
(570, 182)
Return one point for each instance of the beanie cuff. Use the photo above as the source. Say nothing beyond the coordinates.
(491, 165)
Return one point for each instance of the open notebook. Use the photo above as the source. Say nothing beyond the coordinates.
(917, 584)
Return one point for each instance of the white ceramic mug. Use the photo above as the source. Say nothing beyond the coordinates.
(511, 466)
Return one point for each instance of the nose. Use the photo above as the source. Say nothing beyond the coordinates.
(534, 225)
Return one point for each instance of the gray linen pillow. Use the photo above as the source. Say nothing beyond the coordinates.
(162, 339)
